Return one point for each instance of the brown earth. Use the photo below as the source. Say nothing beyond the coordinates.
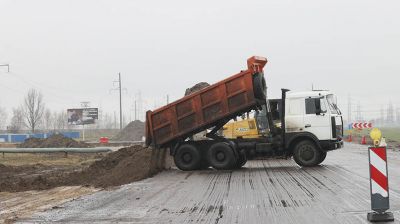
(54, 141)
(17, 205)
(134, 131)
(195, 88)
(117, 168)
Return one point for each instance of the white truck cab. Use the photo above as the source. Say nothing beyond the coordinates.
(314, 114)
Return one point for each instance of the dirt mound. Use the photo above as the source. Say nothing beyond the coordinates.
(134, 131)
(54, 141)
(197, 87)
(117, 168)
(121, 167)
(3, 168)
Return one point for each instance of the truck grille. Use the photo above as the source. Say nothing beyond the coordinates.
(337, 130)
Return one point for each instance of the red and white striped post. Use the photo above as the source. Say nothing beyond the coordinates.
(379, 184)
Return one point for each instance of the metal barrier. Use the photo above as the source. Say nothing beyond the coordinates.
(54, 150)
(17, 138)
(117, 142)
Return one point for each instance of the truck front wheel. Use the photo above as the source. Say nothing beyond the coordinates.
(306, 154)
(187, 158)
(322, 157)
(221, 156)
(242, 160)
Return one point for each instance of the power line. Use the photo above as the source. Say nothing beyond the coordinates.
(120, 102)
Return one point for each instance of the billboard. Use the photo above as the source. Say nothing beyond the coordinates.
(82, 116)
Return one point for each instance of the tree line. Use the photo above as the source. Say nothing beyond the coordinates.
(33, 115)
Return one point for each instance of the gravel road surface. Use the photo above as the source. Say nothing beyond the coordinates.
(269, 191)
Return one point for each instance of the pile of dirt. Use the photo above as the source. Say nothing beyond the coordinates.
(195, 88)
(3, 168)
(121, 167)
(134, 131)
(54, 141)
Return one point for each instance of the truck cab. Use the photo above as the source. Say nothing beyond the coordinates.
(313, 114)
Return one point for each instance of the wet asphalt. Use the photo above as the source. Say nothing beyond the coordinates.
(265, 191)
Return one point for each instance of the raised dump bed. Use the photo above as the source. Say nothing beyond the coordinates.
(209, 107)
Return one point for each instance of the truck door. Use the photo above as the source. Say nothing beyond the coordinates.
(317, 119)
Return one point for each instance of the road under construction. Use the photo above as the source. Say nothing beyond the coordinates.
(273, 191)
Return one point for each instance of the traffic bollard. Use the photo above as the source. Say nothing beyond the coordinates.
(363, 140)
(379, 185)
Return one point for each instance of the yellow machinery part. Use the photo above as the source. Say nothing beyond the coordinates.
(241, 129)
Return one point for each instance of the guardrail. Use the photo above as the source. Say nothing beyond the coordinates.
(54, 150)
(117, 142)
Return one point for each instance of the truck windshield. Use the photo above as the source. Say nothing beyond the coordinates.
(332, 102)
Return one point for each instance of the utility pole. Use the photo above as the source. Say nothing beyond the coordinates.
(135, 110)
(359, 117)
(167, 99)
(115, 120)
(139, 108)
(120, 102)
(349, 110)
(84, 104)
(119, 88)
(390, 114)
(398, 115)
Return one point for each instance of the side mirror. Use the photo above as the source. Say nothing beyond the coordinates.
(318, 109)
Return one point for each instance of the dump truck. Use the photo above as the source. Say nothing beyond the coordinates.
(303, 125)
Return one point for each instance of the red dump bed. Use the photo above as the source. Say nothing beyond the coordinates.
(208, 107)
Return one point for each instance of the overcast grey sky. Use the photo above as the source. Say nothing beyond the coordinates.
(72, 50)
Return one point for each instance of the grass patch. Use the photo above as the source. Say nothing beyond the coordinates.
(389, 133)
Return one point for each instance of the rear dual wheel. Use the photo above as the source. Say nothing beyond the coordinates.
(221, 156)
(188, 157)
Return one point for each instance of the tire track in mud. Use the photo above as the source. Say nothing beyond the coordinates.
(210, 208)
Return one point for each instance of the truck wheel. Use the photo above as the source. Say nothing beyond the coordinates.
(187, 158)
(306, 154)
(221, 156)
(242, 160)
(259, 86)
(322, 157)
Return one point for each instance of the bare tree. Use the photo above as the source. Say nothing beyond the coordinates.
(17, 120)
(60, 120)
(3, 117)
(47, 120)
(33, 108)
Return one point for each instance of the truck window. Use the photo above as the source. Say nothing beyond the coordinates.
(310, 106)
(333, 104)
